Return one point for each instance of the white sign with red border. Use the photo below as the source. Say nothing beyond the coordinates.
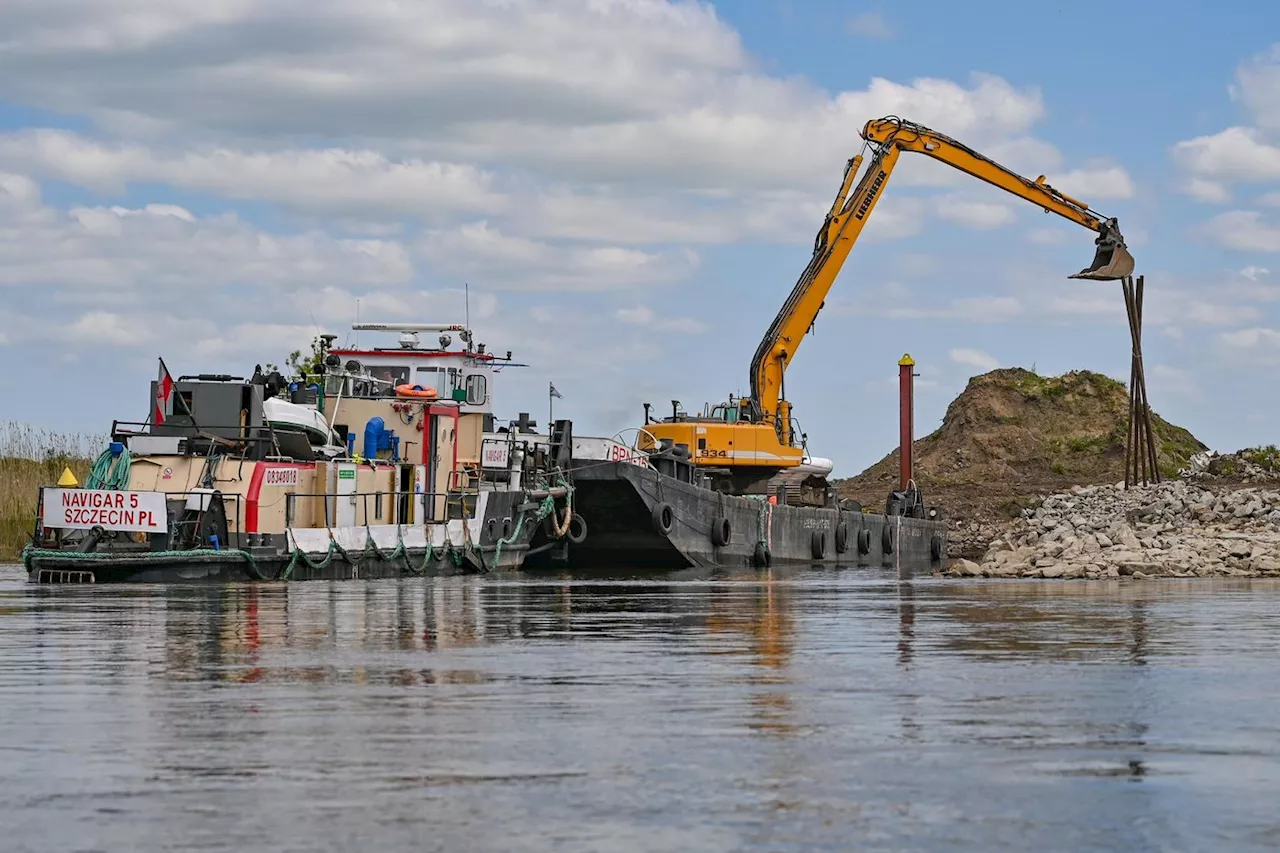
(494, 453)
(75, 509)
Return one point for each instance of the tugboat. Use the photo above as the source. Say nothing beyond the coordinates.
(370, 467)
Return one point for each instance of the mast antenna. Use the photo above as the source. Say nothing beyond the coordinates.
(466, 304)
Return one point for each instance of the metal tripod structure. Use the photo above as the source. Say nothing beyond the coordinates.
(1140, 465)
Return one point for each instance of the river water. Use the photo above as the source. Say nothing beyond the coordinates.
(810, 710)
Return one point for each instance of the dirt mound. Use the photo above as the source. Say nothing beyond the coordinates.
(1012, 437)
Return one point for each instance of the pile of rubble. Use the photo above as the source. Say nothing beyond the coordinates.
(1252, 465)
(1174, 529)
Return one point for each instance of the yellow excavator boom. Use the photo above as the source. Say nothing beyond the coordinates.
(888, 137)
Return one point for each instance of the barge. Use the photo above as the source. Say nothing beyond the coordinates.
(645, 504)
(369, 467)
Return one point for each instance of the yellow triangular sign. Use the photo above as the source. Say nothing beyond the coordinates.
(68, 480)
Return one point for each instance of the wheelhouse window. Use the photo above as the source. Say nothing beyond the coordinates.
(476, 389)
(389, 377)
(443, 379)
(428, 377)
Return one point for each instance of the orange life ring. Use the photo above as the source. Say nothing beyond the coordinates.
(416, 391)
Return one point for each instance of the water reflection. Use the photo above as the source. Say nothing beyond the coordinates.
(786, 710)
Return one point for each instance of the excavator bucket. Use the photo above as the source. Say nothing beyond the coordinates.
(1110, 263)
(1112, 260)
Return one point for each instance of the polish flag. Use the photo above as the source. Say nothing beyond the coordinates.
(164, 396)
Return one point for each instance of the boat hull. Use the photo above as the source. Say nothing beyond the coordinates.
(494, 541)
(625, 510)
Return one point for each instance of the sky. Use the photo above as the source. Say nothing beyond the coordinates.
(629, 189)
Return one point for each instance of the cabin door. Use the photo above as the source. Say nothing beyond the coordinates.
(345, 492)
(404, 494)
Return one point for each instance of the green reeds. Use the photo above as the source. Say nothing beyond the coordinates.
(30, 458)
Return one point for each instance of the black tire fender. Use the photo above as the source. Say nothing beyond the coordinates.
(508, 527)
(491, 526)
(721, 532)
(842, 537)
(818, 544)
(886, 538)
(664, 518)
(577, 529)
(761, 557)
(864, 541)
(935, 548)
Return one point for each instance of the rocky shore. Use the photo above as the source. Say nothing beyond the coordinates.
(1175, 529)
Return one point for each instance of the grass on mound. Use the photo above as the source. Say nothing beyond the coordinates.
(31, 458)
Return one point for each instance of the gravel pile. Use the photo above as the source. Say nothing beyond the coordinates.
(1174, 529)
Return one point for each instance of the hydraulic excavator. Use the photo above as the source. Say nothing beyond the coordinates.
(743, 443)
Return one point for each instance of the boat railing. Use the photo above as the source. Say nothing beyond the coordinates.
(182, 425)
(228, 436)
(389, 506)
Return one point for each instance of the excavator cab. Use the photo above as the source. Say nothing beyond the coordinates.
(1112, 261)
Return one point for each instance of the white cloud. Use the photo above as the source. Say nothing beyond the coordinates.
(1253, 273)
(870, 25)
(166, 253)
(1096, 181)
(1251, 339)
(637, 91)
(1258, 87)
(893, 218)
(1241, 154)
(1086, 303)
(481, 252)
(18, 191)
(985, 309)
(642, 315)
(1217, 314)
(896, 301)
(1244, 230)
(974, 358)
(684, 325)
(973, 214)
(1166, 380)
(333, 179)
(638, 316)
(605, 215)
(1234, 155)
(1210, 192)
(1048, 236)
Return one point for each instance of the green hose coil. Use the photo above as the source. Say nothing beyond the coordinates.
(110, 471)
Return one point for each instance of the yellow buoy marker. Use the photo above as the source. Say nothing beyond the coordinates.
(68, 480)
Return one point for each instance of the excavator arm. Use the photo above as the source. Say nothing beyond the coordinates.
(1111, 261)
(888, 138)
